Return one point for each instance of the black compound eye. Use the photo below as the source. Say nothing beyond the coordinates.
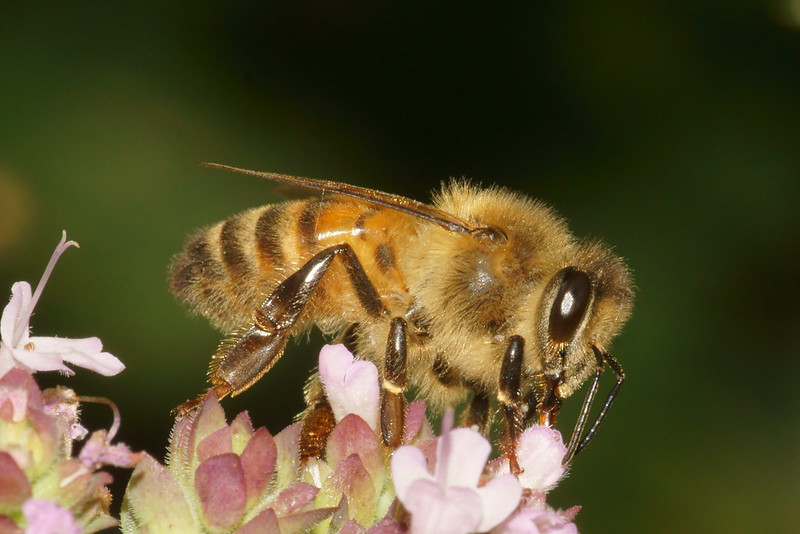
(570, 305)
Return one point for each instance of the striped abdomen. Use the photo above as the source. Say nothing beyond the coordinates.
(227, 270)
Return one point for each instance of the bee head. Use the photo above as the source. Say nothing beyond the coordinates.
(585, 303)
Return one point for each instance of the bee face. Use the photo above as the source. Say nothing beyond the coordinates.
(584, 305)
(484, 295)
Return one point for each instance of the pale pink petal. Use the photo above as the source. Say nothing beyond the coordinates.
(83, 352)
(415, 418)
(101, 363)
(46, 517)
(40, 361)
(89, 345)
(351, 385)
(352, 527)
(7, 360)
(13, 324)
(408, 465)
(499, 498)
(435, 509)
(539, 453)
(461, 455)
(98, 451)
(537, 521)
(218, 442)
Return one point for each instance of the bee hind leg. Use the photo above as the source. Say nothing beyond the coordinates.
(243, 359)
(317, 421)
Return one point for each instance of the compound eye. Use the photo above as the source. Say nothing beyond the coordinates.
(570, 305)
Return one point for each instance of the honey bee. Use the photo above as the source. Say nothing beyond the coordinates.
(483, 297)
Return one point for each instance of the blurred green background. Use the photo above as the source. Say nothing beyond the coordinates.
(671, 131)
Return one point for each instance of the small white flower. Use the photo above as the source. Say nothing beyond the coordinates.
(19, 349)
(351, 385)
(451, 495)
(540, 450)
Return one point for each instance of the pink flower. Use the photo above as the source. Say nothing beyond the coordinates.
(46, 517)
(540, 450)
(539, 521)
(19, 349)
(451, 496)
(351, 385)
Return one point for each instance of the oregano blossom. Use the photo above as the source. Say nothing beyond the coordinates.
(19, 349)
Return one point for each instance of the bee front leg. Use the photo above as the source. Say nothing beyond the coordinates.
(393, 399)
(242, 360)
(509, 397)
(578, 441)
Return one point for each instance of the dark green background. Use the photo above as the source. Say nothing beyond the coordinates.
(671, 131)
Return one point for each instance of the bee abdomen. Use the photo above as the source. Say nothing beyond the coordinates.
(224, 269)
(269, 243)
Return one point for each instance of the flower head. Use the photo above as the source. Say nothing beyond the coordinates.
(19, 349)
(221, 477)
(540, 450)
(41, 483)
(452, 494)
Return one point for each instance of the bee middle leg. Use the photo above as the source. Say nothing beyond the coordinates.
(509, 397)
(242, 360)
(318, 421)
(394, 385)
(478, 415)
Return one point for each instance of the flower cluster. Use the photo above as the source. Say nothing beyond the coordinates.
(222, 477)
(467, 495)
(231, 478)
(219, 477)
(19, 349)
(44, 488)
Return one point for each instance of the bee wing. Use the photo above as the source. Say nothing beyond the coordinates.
(395, 202)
